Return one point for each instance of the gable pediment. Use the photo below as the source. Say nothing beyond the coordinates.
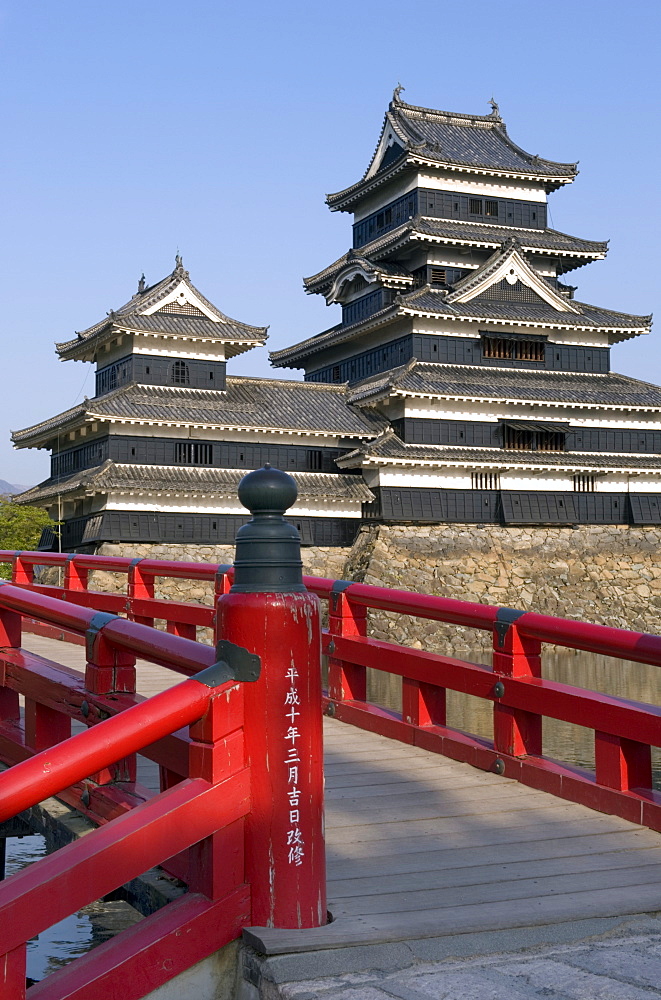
(181, 301)
(350, 278)
(508, 276)
(390, 145)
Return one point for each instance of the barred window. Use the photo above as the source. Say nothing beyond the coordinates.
(520, 440)
(584, 483)
(491, 208)
(485, 480)
(475, 206)
(180, 373)
(193, 453)
(500, 348)
(314, 459)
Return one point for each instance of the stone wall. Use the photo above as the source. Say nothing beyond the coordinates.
(606, 574)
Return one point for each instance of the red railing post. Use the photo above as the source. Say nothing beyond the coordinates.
(109, 670)
(270, 613)
(75, 577)
(346, 681)
(216, 752)
(10, 637)
(139, 587)
(622, 763)
(222, 585)
(12, 973)
(22, 572)
(515, 731)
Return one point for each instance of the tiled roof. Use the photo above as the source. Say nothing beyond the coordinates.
(530, 239)
(130, 317)
(583, 315)
(459, 381)
(455, 140)
(219, 483)
(246, 403)
(430, 301)
(389, 446)
(449, 232)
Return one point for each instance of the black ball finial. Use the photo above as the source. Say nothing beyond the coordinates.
(268, 548)
(267, 491)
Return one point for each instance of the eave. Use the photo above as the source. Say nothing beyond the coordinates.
(344, 201)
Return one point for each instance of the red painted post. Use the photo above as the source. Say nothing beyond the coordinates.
(269, 612)
(515, 731)
(140, 587)
(10, 637)
(12, 973)
(216, 752)
(346, 681)
(22, 571)
(75, 577)
(109, 670)
(622, 763)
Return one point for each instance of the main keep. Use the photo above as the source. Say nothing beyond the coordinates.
(464, 383)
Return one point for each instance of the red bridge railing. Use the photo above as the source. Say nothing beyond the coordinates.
(624, 731)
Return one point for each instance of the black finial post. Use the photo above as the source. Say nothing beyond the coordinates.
(268, 548)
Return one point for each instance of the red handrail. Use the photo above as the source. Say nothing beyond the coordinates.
(52, 770)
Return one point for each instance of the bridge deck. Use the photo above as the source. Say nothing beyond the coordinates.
(421, 846)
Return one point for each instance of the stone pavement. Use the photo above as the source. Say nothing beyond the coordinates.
(620, 965)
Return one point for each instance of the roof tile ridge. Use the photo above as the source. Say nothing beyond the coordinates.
(266, 380)
(558, 232)
(489, 119)
(616, 312)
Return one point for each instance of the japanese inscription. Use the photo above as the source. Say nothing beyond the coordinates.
(295, 841)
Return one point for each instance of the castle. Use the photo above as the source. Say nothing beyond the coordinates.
(464, 383)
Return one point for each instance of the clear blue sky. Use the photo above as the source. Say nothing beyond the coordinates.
(133, 129)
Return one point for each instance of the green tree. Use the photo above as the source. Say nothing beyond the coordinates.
(20, 528)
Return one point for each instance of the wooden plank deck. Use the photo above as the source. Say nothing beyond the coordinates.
(421, 846)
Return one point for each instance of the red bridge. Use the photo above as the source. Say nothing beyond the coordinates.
(238, 743)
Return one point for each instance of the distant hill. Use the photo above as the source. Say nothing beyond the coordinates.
(6, 487)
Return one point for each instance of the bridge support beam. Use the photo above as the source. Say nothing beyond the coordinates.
(269, 612)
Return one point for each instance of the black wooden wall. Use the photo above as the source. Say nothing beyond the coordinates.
(147, 369)
(449, 205)
(511, 507)
(482, 434)
(197, 529)
(456, 351)
(211, 454)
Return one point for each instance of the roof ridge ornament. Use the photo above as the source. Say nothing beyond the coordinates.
(142, 283)
(495, 110)
(396, 99)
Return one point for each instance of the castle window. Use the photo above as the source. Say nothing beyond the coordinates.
(522, 436)
(485, 480)
(475, 206)
(336, 373)
(313, 459)
(491, 208)
(502, 348)
(438, 276)
(180, 373)
(193, 453)
(584, 483)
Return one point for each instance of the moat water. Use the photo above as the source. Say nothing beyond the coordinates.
(569, 743)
